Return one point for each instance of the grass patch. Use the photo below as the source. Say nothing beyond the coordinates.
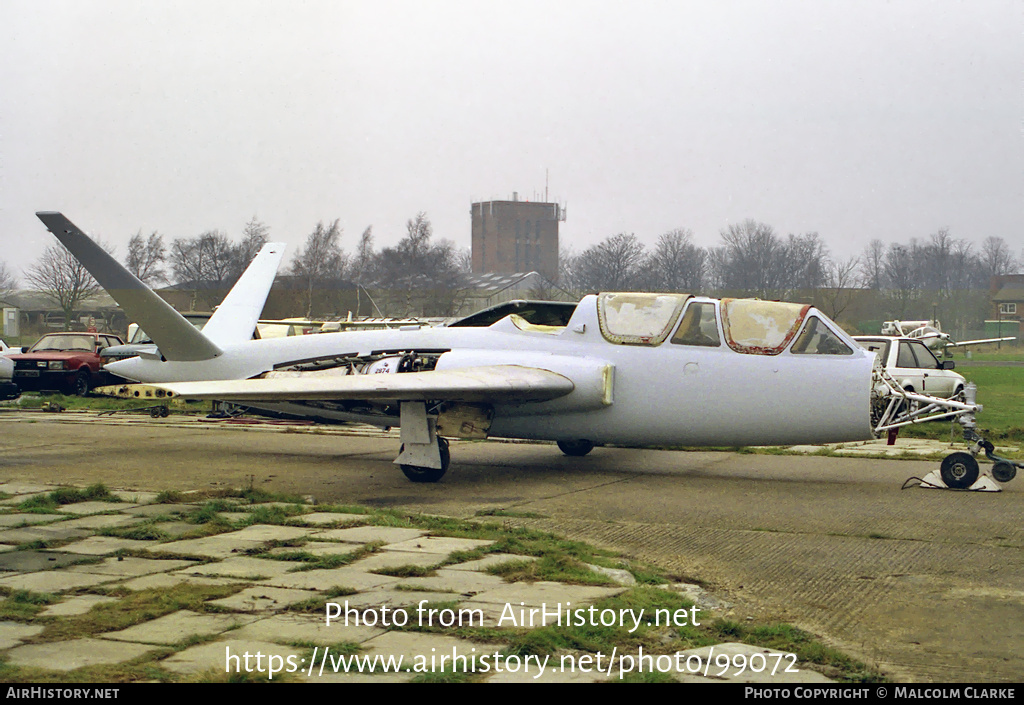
(133, 608)
(23, 605)
(68, 495)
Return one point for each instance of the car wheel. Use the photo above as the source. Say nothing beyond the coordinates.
(959, 470)
(82, 384)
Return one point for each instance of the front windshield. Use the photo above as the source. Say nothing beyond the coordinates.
(64, 342)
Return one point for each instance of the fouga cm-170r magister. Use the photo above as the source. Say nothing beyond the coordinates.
(633, 369)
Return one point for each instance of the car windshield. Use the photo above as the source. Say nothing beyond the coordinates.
(64, 341)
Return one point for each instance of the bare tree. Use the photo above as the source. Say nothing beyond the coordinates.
(8, 283)
(676, 263)
(614, 264)
(419, 276)
(872, 267)
(207, 260)
(996, 258)
(319, 262)
(753, 259)
(840, 283)
(146, 258)
(63, 279)
(254, 237)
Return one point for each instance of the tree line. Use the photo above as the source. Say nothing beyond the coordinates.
(911, 279)
(423, 276)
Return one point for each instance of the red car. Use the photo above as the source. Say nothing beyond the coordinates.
(66, 362)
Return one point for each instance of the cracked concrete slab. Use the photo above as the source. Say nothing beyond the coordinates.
(76, 653)
(178, 626)
(308, 628)
(129, 566)
(80, 604)
(369, 534)
(102, 545)
(329, 578)
(261, 598)
(219, 656)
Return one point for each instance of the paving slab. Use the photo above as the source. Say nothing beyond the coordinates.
(328, 578)
(152, 510)
(244, 567)
(261, 598)
(460, 582)
(84, 508)
(49, 532)
(176, 627)
(397, 559)
(53, 581)
(101, 521)
(268, 532)
(76, 653)
(175, 528)
(31, 561)
(316, 548)
(16, 519)
(369, 534)
(130, 566)
(327, 518)
(216, 546)
(102, 545)
(437, 544)
(80, 604)
(551, 674)
(13, 633)
(216, 655)
(407, 600)
(773, 660)
(306, 628)
(159, 581)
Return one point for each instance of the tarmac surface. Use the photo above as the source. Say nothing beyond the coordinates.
(927, 585)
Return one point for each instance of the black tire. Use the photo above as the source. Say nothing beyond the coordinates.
(576, 449)
(82, 384)
(959, 470)
(415, 473)
(1004, 471)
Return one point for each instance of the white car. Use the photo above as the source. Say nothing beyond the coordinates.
(913, 365)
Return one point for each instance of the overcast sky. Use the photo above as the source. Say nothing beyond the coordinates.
(858, 120)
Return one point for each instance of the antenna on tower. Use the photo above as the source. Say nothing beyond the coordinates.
(545, 184)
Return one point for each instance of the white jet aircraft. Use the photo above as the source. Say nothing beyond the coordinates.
(634, 369)
(930, 333)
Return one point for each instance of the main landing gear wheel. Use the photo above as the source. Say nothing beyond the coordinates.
(959, 470)
(575, 448)
(420, 474)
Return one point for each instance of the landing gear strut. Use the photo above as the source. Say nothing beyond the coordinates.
(417, 473)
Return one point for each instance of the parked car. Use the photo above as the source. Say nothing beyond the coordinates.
(8, 389)
(67, 362)
(914, 366)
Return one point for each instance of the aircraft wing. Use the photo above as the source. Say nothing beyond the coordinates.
(495, 384)
(965, 343)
